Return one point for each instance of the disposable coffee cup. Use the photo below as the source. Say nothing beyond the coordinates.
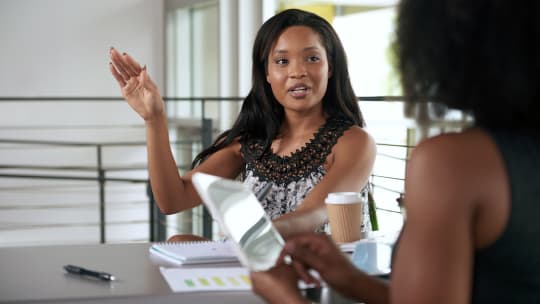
(344, 216)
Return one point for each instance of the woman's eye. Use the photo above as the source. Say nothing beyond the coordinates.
(281, 61)
(314, 59)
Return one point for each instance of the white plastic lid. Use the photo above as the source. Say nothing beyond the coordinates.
(343, 198)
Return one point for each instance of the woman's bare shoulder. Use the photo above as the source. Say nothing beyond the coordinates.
(356, 136)
(226, 162)
(235, 144)
(451, 148)
(355, 146)
(454, 165)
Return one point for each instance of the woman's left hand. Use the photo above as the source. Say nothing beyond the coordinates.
(278, 285)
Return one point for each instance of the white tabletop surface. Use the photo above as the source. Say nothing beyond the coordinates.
(36, 275)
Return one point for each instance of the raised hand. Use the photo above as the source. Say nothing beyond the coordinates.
(138, 89)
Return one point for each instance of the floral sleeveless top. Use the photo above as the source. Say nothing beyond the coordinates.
(293, 177)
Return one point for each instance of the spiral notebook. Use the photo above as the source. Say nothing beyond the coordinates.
(184, 253)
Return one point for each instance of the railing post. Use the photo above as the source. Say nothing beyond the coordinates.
(157, 219)
(206, 133)
(101, 182)
(151, 213)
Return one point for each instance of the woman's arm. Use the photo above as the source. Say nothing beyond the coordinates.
(172, 192)
(348, 169)
(434, 260)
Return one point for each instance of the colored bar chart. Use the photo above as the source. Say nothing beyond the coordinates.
(207, 279)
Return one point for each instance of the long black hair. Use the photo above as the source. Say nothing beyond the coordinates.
(261, 114)
(481, 56)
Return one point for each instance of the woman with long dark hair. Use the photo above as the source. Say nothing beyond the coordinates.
(299, 128)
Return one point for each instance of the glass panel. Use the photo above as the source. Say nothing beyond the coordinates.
(192, 61)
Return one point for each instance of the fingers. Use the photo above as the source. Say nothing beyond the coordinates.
(312, 250)
(119, 65)
(305, 274)
(133, 66)
(276, 284)
(125, 67)
(297, 254)
(283, 258)
(117, 75)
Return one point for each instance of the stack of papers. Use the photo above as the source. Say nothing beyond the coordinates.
(185, 253)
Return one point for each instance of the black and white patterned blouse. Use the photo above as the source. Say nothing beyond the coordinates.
(294, 176)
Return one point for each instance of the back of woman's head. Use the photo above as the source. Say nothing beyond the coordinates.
(339, 99)
(478, 55)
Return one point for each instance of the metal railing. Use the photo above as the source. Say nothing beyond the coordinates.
(157, 232)
(157, 224)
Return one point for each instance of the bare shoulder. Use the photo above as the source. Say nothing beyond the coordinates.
(226, 162)
(355, 149)
(232, 152)
(235, 147)
(456, 165)
(453, 149)
(356, 137)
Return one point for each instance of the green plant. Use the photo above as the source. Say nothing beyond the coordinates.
(372, 212)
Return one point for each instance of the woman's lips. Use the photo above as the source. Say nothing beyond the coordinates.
(299, 91)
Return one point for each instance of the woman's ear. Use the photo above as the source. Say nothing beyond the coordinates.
(268, 79)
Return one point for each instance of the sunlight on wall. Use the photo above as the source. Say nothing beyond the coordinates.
(367, 37)
(327, 11)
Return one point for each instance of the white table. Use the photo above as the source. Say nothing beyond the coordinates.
(35, 275)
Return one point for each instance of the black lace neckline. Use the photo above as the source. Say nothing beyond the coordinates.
(300, 164)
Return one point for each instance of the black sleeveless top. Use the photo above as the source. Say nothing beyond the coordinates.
(294, 176)
(509, 270)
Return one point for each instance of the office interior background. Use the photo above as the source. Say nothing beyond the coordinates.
(72, 152)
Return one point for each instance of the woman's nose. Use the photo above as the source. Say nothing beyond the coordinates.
(297, 69)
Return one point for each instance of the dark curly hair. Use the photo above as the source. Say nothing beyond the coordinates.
(261, 114)
(480, 56)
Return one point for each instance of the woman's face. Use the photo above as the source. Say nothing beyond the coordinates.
(298, 69)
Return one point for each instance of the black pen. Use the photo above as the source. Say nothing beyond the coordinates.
(89, 273)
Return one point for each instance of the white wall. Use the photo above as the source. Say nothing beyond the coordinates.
(60, 48)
